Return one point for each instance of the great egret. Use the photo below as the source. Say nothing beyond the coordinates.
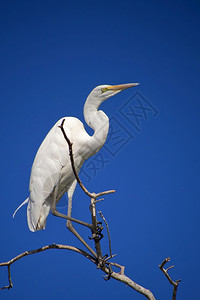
(51, 174)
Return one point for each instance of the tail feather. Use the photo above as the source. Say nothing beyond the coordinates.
(23, 203)
(36, 215)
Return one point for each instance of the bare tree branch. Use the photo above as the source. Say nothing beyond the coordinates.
(165, 271)
(117, 276)
(30, 252)
(108, 231)
(123, 278)
(91, 195)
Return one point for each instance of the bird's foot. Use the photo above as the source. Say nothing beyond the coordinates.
(108, 276)
(99, 226)
(97, 236)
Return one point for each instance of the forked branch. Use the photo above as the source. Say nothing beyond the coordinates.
(117, 276)
(165, 271)
(26, 253)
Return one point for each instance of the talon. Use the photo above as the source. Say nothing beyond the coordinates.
(96, 236)
(99, 227)
(107, 277)
(100, 236)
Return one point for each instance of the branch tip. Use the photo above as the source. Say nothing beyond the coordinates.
(165, 271)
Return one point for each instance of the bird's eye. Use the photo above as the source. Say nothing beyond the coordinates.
(104, 90)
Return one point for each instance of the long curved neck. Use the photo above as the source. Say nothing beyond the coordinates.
(98, 121)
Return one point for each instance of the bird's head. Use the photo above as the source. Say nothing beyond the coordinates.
(98, 95)
(95, 118)
(103, 92)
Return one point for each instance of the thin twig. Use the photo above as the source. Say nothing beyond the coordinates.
(165, 271)
(108, 231)
(91, 195)
(96, 234)
(9, 279)
(122, 268)
(72, 159)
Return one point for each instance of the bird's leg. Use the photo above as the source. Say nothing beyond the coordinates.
(58, 214)
(69, 219)
(71, 228)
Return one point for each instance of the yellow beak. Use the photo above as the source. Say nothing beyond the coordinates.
(120, 87)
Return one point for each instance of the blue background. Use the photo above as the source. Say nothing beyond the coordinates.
(53, 53)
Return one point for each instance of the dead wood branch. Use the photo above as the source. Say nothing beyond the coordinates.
(165, 271)
(108, 232)
(30, 252)
(117, 276)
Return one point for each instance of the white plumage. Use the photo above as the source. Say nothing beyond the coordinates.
(51, 174)
(51, 167)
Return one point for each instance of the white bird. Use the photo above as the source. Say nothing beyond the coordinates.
(52, 174)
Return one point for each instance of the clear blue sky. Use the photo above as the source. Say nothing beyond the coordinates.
(53, 53)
